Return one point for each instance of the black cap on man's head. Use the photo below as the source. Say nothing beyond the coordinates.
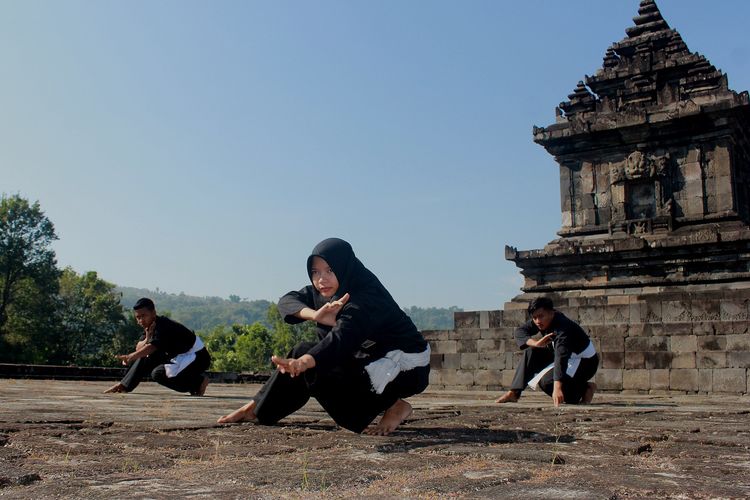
(144, 303)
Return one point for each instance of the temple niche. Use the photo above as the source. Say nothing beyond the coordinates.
(653, 253)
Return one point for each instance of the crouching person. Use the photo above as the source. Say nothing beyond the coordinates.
(173, 355)
(562, 362)
(368, 359)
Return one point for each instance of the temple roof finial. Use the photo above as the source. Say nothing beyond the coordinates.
(648, 20)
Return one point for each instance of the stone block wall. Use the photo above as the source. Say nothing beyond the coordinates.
(695, 340)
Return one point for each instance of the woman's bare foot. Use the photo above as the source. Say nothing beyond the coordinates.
(391, 419)
(118, 387)
(508, 397)
(589, 394)
(243, 414)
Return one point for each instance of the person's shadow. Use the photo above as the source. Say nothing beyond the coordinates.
(410, 438)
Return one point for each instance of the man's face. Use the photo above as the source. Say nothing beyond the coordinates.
(145, 317)
(323, 278)
(542, 318)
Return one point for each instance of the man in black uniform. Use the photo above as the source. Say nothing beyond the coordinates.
(173, 355)
(561, 362)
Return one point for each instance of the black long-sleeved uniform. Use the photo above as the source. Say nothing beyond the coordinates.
(569, 338)
(368, 326)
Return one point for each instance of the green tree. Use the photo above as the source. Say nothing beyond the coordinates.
(239, 348)
(282, 336)
(253, 347)
(90, 317)
(28, 277)
(220, 344)
(285, 336)
(123, 341)
(31, 318)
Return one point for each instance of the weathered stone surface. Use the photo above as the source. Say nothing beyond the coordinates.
(734, 310)
(711, 359)
(684, 380)
(467, 346)
(456, 444)
(436, 360)
(491, 363)
(636, 380)
(712, 343)
(466, 319)
(647, 344)
(705, 380)
(738, 359)
(458, 377)
(462, 334)
(469, 361)
(683, 360)
(451, 361)
(635, 360)
(487, 345)
(659, 379)
(444, 346)
(612, 344)
(657, 359)
(679, 344)
(612, 360)
(738, 342)
(609, 379)
(731, 380)
(488, 377)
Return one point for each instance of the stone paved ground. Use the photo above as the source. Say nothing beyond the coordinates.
(68, 440)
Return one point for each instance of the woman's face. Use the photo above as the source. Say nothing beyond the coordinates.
(323, 278)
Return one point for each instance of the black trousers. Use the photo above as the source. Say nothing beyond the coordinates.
(535, 359)
(188, 380)
(573, 387)
(345, 393)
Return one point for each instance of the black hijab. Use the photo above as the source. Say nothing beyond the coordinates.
(371, 313)
(351, 274)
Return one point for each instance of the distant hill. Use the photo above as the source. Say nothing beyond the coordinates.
(204, 313)
(432, 318)
(199, 313)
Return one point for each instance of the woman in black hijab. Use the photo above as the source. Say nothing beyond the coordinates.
(369, 356)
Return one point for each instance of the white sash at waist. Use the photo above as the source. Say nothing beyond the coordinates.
(181, 361)
(384, 370)
(573, 362)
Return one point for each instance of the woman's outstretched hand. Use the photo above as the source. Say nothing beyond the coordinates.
(326, 315)
(294, 366)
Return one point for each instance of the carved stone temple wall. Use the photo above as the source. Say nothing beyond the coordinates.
(653, 257)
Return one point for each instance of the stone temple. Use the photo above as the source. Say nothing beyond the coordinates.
(653, 256)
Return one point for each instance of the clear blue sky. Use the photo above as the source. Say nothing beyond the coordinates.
(205, 147)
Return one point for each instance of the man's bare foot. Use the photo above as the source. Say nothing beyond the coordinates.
(391, 419)
(118, 387)
(243, 414)
(589, 394)
(508, 397)
(202, 389)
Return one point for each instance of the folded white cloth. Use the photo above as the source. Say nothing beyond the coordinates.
(384, 370)
(181, 361)
(573, 362)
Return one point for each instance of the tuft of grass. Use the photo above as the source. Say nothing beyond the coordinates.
(130, 465)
